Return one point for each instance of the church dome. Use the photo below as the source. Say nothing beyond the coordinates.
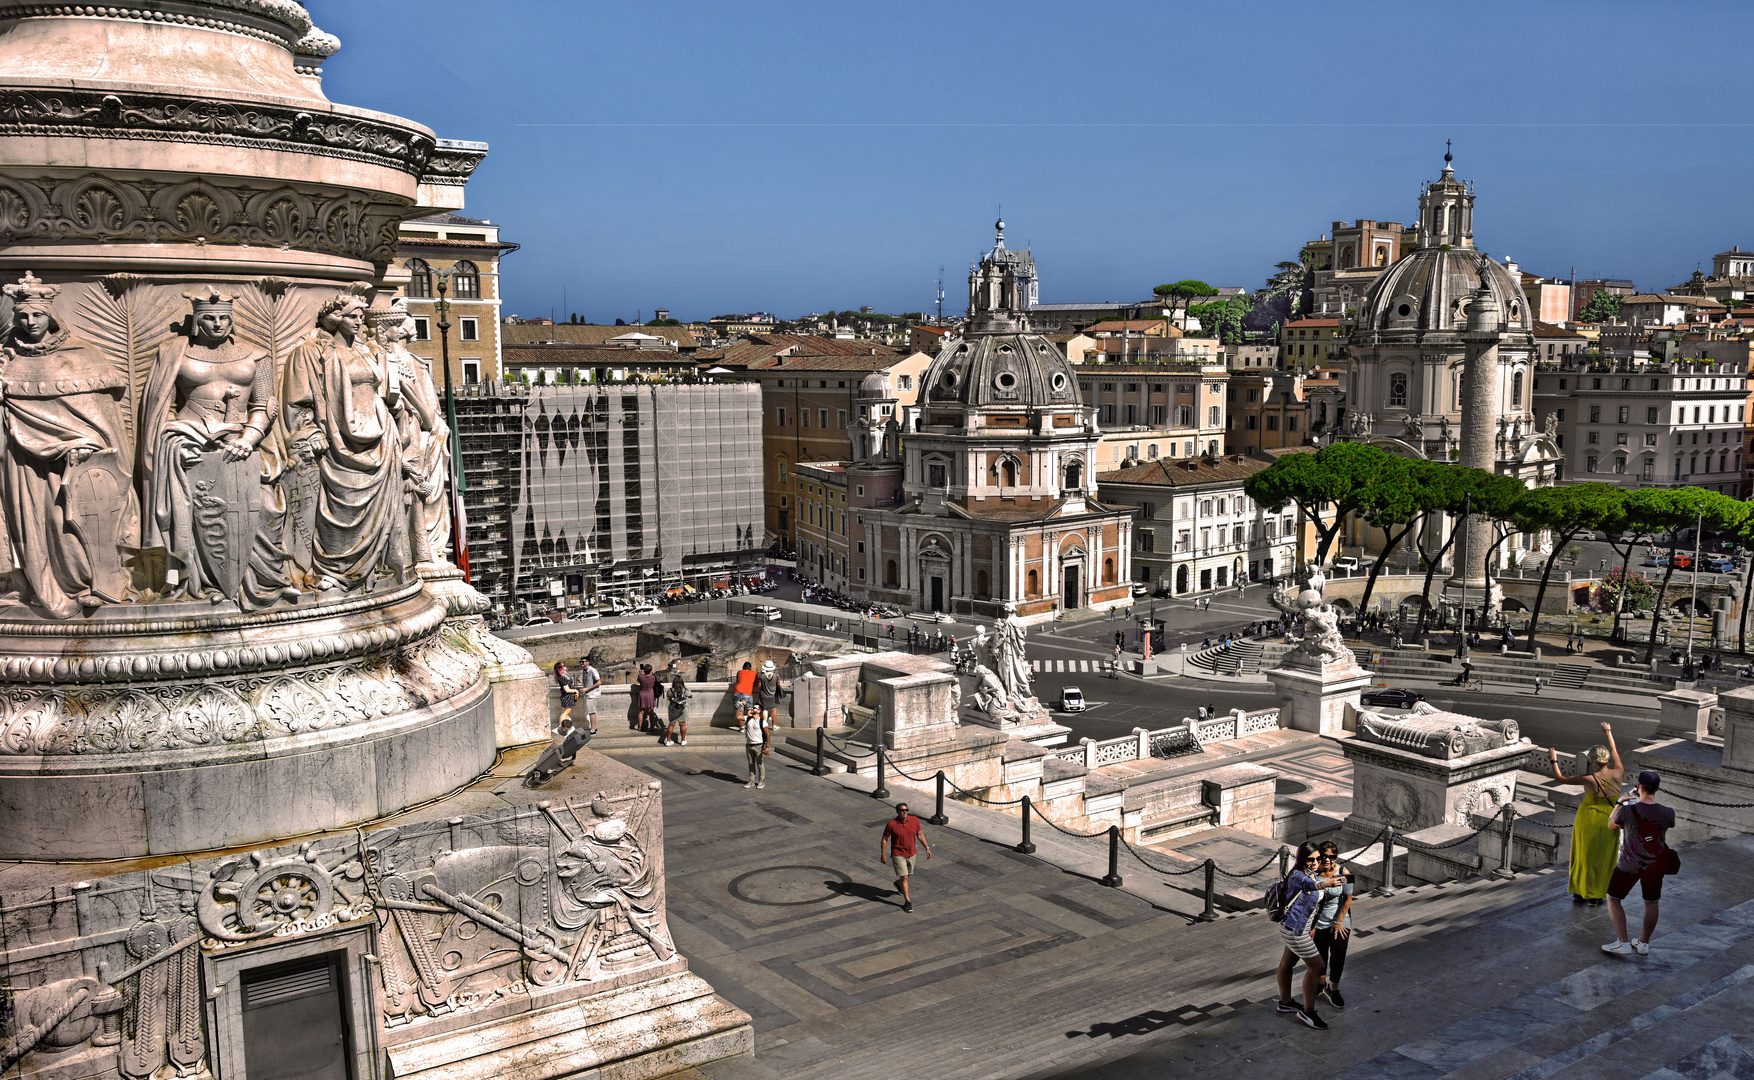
(876, 387)
(1429, 291)
(1000, 369)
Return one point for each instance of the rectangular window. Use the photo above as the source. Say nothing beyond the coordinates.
(1272, 423)
(1250, 422)
(1181, 540)
(1213, 417)
(469, 329)
(1147, 511)
(1595, 414)
(1625, 413)
(822, 415)
(1650, 438)
(840, 418)
(1590, 463)
(1291, 423)
(1619, 438)
(1650, 415)
(1594, 437)
(781, 418)
(422, 328)
(903, 382)
(935, 476)
(1560, 413)
(1696, 414)
(1147, 540)
(803, 418)
(1184, 416)
(1159, 415)
(1108, 414)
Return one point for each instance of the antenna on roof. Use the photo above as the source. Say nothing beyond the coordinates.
(940, 295)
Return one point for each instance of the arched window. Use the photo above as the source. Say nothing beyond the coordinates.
(1516, 390)
(980, 583)
(891, 578)
(1346, 257)
(419, 279)
(1108, 571)
(1075, 475)
(465, 281)
(1008, 473)
(1382, 256)
(1034, 583)
(1181, 579)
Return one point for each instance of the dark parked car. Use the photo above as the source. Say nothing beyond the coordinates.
(1399, 699)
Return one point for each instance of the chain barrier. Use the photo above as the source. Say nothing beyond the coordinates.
(1717, 805)
(846, 749)
(1068, 832)
(1167, 873)
(1271, 859)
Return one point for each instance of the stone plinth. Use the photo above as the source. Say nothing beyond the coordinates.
(1316, 700)
(1412, 791)
(1684, 714)
(1738, 730)
(1243, 795)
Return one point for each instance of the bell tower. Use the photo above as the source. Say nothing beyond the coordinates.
(1446, 209)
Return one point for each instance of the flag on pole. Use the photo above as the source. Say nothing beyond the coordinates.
(459, 525)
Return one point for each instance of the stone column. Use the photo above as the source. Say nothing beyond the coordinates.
(1479, 427)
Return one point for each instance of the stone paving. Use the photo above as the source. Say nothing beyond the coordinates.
(1014, 967)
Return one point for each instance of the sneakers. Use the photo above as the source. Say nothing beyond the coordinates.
(684, 742)
(1594, 901)
(1642, 948)
(1332, 993)
(1288, 1007)
(1310, 1019)
(762, 784)
(750, 784)
(1619, 948)
(907, 905)
(667, 740)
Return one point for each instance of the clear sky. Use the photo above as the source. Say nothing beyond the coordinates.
(795, 157)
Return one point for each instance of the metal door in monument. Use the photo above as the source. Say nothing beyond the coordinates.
(295, 1022)
(937, 594)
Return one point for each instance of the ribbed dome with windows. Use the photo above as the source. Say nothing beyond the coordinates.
(1428, 291)
(997, 361)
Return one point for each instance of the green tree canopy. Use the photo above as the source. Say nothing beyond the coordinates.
(1326, 485)
(1223, 318)
(1185, 290)
(1602, 306)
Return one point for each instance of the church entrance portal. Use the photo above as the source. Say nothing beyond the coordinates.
(937, 594)
(1073, 576)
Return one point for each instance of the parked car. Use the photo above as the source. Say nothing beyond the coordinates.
(1718, 564)
(1683, 562)
(538, 620)
(1140, 588)
(765, 612)
(1346, 562)
(1071, 699)
(582, 615)
(643, 609)
(1391, 697)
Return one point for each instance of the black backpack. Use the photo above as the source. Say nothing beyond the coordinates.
(1278, 899)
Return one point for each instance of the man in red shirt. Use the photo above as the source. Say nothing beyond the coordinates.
(896, 847)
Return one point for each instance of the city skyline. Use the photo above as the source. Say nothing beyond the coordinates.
(708, 162)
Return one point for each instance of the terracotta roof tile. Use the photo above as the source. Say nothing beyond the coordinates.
(1186, 472)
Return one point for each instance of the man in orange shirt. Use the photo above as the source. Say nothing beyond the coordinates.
(743, 686)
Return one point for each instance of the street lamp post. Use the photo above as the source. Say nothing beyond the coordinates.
(1462, 611)
(1693, 603)
(459, 546)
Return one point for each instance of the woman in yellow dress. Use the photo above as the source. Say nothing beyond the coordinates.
(1594, 846)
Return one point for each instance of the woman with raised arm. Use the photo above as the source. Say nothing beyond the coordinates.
(1594, 846)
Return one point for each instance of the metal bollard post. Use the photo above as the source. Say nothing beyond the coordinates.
(882, 791)
(939, 818)
(1113, 879)
(1025, 848)
(1210, 915)
(1284, 861)
(1505, 870)
(821, 768)
(1388, 864)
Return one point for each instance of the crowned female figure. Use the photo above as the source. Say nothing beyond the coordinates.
(210, 482)
(348, 392)
(65, 479)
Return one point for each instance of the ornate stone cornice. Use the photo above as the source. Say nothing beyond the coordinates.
(282, 22)
(453, 161)
(93, 114)
(106, 209)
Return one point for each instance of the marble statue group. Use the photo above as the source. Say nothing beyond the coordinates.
(236, 475)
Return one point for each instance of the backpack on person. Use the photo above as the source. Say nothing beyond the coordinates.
(678, 695)
(1278, 899)
(1653, 845)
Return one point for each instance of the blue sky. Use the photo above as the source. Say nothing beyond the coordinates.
(794, 157)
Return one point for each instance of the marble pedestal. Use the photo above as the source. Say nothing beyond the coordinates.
(1411, 791)
(1031, 723)
(1312, 700)
(1684, 714)
(1709, 787)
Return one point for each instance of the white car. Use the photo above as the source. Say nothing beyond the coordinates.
(764, 612)
(539, 620)
(1346, 562)
(643, 609)
(1071, 699)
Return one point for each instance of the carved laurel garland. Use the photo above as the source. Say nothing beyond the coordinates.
(92, 114)
(107, 209)
(177, 716)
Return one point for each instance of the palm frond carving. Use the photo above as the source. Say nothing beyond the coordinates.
(128, 321)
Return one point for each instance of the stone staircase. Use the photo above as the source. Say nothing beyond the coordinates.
(1513, 671)
(1243, 656)
(1569, 676)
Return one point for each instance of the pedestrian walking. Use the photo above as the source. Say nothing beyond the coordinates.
(1302, 896)
(768, 692)
(1592, 838)
(743, 687)
(591, 680)
(1539, 682)
(757, 743)
(676, 699)
(646, 689)
(1333, 923)
(901, 837)
(1645, 857)
(569, 697)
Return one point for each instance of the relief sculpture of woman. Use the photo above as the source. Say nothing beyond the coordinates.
(426, 442)
(350, 392)
(65, 479)
(210, 484)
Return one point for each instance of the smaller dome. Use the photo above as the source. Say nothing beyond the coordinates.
(1000, 369)
(876, 386)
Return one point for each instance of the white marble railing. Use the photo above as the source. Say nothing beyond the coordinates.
(1163, 742)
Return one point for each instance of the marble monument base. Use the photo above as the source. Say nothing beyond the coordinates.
(1316, 701)
(1411, 791)
(1031, 723)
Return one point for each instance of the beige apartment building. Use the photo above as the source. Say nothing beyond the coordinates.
(468, 250)
(1150, 411)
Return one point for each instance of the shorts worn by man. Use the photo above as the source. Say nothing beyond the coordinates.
(592, 681)
(1644, 825)
(901, 838)
(757, 743)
